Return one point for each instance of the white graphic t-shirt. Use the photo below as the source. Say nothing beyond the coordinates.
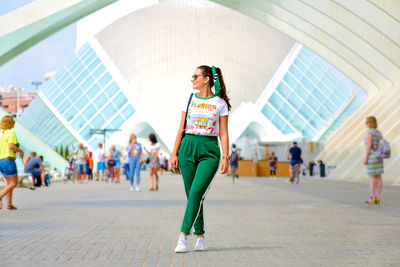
(203, 115)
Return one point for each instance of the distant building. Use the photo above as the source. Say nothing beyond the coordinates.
(11, 97)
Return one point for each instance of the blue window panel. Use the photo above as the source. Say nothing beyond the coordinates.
(324, 113)
(99, 71)
(70, 88)
(290, 80)
(94, 65)
(303, 58)
(77, 71)
(294, 100)
(268, 112)
(300, 65)
(58, 100)
(286, 111)
(312, 78)
(64, 106)
(86, 54)
(89, 111)
(78, 123)
(105, 79)
(100, 101)
(312, 103)
(276, 101)
(75, 95)
(86, 133)
(82, 102)
(66, 82)
(128, 112)
(70, 114)
(295, 72)
(93, 91)
(90, 58)
(316, 70)
(284, 90)
(120, 100)
(306, 83)
(82, 77)
(109, 111)
(112, 89)
(318, 95)
(287, 130)
(74, 65)
(87, 83)
(98, 122)
(316, 123)
(297, 122)
(280, 124)
(329, 106)
(301, 92)
(117, 122)
(306, 112)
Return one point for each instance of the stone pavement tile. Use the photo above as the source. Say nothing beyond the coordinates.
(255, 222)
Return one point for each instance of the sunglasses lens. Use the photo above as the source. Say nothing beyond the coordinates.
(194, 76)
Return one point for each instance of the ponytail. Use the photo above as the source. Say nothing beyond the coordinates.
(216, 79)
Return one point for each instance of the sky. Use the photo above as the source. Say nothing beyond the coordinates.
(49, 55)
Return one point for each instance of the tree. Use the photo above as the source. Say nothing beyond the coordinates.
(66, 152)
(61, 151)
(56, 148)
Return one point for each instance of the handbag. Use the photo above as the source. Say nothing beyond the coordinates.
(187, 108)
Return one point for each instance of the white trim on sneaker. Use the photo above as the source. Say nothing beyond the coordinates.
(200, 244)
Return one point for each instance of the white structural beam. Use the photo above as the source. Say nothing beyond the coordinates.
(27, 26)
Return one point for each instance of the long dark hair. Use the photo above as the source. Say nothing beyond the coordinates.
(153, 138)
(207, 71)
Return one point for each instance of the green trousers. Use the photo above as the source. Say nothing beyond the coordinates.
(198, 161)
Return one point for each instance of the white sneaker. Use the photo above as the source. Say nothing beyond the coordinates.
(137, 188)
(200, 244)
(181, 247)
(131, 189)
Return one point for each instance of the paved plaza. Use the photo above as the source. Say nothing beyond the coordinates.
(254, 222)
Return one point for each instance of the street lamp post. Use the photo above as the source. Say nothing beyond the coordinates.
(36, 83)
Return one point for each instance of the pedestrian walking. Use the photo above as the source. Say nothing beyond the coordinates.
(234, 163)
(135, 160)
(80, 154)
(273, 165)
(125, 157)
(101, 164)
(89, 165)
(8, 148)
(116, 155)
(204, 118)
(373, 163)
(154, 163)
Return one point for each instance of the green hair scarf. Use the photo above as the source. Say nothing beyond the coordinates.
(217, 85)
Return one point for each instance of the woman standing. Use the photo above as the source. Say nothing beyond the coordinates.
(8, 148)
(135, 160)
(373, 163)
(154, 163)
(273, 161)
(199, 153)
(115, 155)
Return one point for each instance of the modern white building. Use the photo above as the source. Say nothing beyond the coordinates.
(132, 72)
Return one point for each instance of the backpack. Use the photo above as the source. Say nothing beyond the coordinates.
(234, 156)
(383, 149)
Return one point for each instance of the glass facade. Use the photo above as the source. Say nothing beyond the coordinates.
(311, 99)
(86, 96)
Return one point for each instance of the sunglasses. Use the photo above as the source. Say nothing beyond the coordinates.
(194, 76)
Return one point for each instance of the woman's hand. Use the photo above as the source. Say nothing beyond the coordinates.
(366, 162)
(224, 166)
(174, 161)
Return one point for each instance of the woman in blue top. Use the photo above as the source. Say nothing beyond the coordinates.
(135, 160)
(115, 154)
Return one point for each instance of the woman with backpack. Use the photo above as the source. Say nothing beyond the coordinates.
(372, 161)
(204, 118)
